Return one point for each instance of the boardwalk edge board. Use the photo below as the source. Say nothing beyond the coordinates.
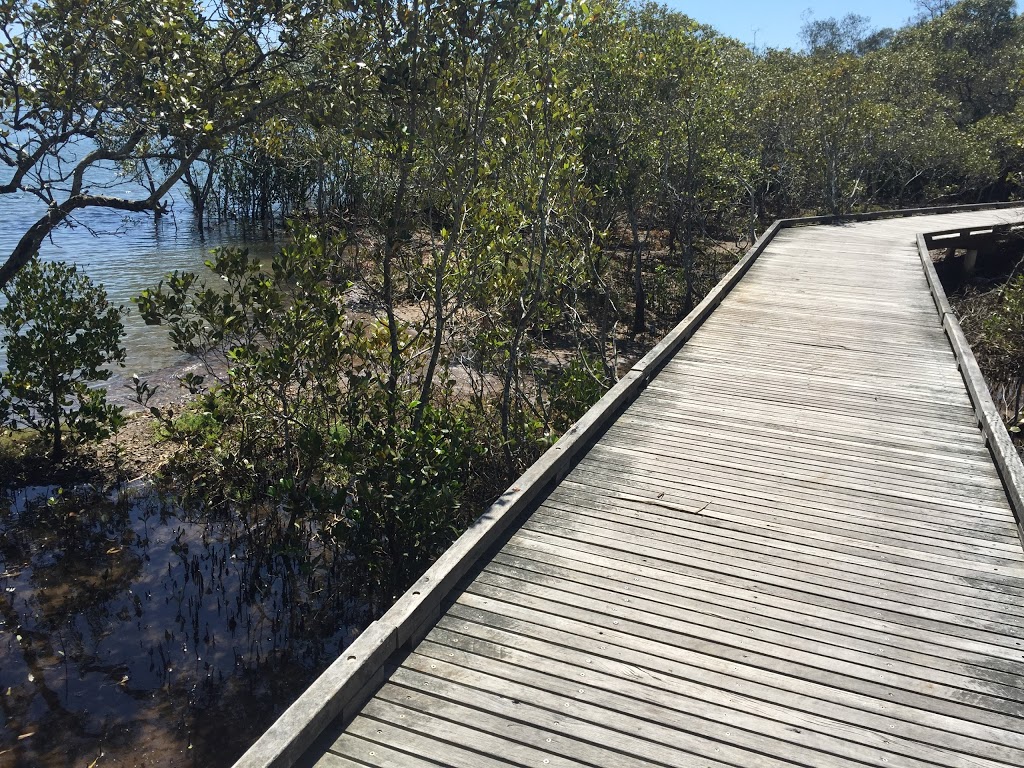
(341, 689)
(1007, 460)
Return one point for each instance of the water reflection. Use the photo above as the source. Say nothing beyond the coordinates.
(133, 633)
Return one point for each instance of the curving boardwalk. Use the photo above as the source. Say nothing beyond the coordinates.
(792, 548)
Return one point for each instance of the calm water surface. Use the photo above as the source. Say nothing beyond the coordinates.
(128, 253)
(134, 634)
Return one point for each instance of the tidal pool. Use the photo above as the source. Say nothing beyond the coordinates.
(134, 633)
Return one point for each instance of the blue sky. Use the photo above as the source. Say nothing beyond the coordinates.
(777, 23)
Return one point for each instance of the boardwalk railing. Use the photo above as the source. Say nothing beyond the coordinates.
(971, 237)
(989, 420)
(342, 690)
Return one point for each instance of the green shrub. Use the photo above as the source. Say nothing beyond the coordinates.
(574, 389)
(60, 332)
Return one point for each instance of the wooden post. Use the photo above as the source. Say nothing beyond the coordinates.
(970, 262)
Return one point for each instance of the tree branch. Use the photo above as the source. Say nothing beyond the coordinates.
(57, 214)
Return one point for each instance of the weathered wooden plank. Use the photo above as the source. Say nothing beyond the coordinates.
(730, 726)
(958, 418)
(434, 706)
(963, 486)
(828, 341)
(818, 724)
(782, 416)
(781, 675)
(838, 595)
(836, 562)
(855, 415)
(351, 751)
(594, 486)
(884, 493)
(709, 619)
(816, 482)
(682, 436)
(344, 682)
(702, 676)
(423, 685)
(915, 394)
(681, 498)
(711, 595)
(414, 733)
(838, 670)
(663, 419)
(713, 520)
(999, 630)
(751, 489)
(814, 369)
(877, 528)
(1003, 451)
(619, 738)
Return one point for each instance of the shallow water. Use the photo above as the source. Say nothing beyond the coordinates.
(128, 253)
(133, 634)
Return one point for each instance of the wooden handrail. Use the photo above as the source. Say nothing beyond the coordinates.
(962, 237)
(1004, 453)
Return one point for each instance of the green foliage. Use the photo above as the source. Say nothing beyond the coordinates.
(154, 87)
(1002, 339)
(575, 388)
(498, 194)
(60, 332)
(299, 419)
(404, 494)
(293, 360)
(499, 181)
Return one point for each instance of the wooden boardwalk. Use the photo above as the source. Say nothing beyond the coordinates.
(792, 548)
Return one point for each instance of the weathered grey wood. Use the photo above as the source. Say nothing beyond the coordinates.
(713, 536)
(821, 455)
(739, 628)
(864, 527)
(672, 458)
(717, 506)
(827, 442)
(351, 750)
(494, 713)
(629, 741)
(999, 630)
(675, 724)
(711, 597)
(793, 542)
(423, 736)
(836, 560)
(719, 469)
(705, 682)
(783, 422)
(752, 715)
(803, 585)
(719, 530)
(952, 716)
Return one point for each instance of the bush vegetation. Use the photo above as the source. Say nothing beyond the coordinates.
(493, 206)
(60, 333)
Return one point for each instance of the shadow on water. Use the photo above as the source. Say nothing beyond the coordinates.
(132, 632)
